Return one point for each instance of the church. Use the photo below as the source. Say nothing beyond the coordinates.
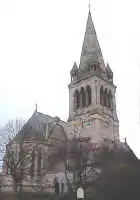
(92, 102)
(92, 114)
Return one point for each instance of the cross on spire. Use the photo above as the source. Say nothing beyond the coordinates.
(36, 106)
(89, 5)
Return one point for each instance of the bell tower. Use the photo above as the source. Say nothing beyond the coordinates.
(92, 104)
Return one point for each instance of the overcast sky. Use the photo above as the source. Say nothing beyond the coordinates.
(40, 40)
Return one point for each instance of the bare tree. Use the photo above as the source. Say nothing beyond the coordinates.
(15, 160)
(9, 131)
(78, 155)
(15, 152)
(81, 162)
(75, 154)
(20, 155)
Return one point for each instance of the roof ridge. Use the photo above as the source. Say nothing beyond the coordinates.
(45, 115)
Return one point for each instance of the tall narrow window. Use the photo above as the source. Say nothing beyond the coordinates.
(89, 95)
(105, 97)
(83, 97)
(95, 67)
(32, 167)
(110, 100)
(62, 187)
(76, 100)
(101, 96)
(56, 186)
(39, 163)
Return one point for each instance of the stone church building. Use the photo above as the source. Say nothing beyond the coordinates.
(92, 114)
(92, 102)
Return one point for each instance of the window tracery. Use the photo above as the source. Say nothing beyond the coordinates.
(101, 96)
(110, 99)
(106, 98)
(83, 97)
(76, 100)
(39, 163)
(32, 167)
(56, 186)
(89, 95)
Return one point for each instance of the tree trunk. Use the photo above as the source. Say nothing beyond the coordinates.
(20, 190)
(68, 183)
(16, 190)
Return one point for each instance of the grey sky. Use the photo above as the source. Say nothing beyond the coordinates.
(40, 40)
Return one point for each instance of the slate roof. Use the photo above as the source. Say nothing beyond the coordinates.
(37, 125)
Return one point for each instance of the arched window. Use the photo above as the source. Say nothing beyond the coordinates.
(83, 97)
(76, 100)
(95, 67)
(101, 96)
(32, 167)
(89, 95)
(74, 76)
(105, 97)
(56, 186)
(91, 66)
(71, 78)
(110, 100)
(39, 163)
(62, 187)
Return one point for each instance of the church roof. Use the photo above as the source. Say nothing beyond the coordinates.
(125, 146)
(37, 124)
(91, 50)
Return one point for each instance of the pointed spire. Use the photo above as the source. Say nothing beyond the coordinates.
(74, 72)
(36, 107)
(108, 68)
(91, 51)
(89, 5)
(125, 140)
(74, 68)
(109, 71)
